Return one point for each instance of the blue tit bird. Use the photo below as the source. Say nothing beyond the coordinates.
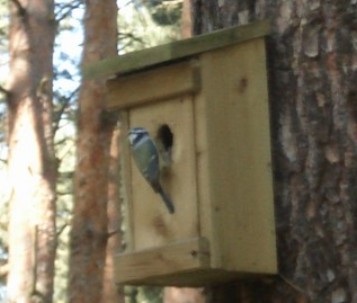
(146, 156)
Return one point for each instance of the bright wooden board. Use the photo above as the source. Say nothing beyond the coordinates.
(153, 85)
(176, 50)
(152, 224)
(239, 159)
(178, 256)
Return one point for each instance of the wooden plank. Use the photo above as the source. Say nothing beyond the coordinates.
(197, 277)
(154, 226)
(125, 184)
(238, 151)
(174, 258)
(176, 50)
(153, 85)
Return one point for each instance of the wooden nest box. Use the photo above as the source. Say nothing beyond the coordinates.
(206, 98)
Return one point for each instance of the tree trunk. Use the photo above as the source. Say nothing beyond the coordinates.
(186, 19)
(111, 291)
(32, 233)
(95, 126)
(184, 295)
(313, 96)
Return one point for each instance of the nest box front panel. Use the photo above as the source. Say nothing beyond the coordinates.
(152, 224)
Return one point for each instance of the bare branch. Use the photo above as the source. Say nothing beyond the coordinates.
(292, 285)
(21, 10)
(128, 35)
(113, 232)
(4, 269)
(65, 10)
(60, 230)
(62, 109)
(64, 193)
(4, 91)
(66, 174)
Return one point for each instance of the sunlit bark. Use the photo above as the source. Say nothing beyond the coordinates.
(32, 171)
(89, 234)
(112, 292)
(184, 295)
(186, 19)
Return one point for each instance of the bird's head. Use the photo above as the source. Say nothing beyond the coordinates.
(136, 134)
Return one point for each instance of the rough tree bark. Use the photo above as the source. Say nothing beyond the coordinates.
(95, 127)
(313, 74)
(111, 291)
(32, 234)
(186, 19)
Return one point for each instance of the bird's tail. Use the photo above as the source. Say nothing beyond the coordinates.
(168, 202)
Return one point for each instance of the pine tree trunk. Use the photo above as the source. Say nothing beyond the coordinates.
(111, 291)
(95, 127)
(32, 233)
(184, 295)
(186, 19)
(313, 95)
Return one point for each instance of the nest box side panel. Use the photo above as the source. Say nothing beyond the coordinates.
(239, 156)
(152, 224)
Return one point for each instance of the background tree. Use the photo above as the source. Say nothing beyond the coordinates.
(160, 22)
(95, 126)
(31, 163)
(144, 24)
(67, 55)
(4, 191)
(111, 291)
(62, 132)
(313, 75)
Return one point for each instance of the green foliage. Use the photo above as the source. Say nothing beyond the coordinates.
(4, 20)
(167, 12)
(4, 188)
(66, 84)
(149, 294)
(66, 87)
(144, 294)
(144, 24)
(65, 152)
(4, 57)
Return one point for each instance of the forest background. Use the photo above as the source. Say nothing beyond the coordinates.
(142, 24)
(312, 64)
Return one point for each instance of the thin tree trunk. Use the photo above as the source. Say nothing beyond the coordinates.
(95, 126)
(186, 19)
(184, 295)
(313, 76)
(111, 291)
(32, 233)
